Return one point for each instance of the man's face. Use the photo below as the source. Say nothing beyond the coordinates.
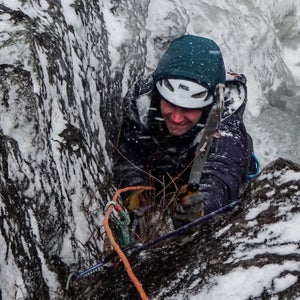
(179, 120)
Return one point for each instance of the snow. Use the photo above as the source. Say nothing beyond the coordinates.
(289, 176)
(69, 13)
(14, 276)
(280, 284)
(254, 212)
(118, 33)
(247, 32)
(243, 283)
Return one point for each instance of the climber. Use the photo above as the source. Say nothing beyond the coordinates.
(163, 116)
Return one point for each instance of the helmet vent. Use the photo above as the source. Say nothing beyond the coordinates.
(200, 95)
(168, 85)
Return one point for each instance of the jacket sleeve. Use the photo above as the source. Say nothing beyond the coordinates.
(227, 165)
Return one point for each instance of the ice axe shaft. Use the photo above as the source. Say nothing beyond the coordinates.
(206, 136)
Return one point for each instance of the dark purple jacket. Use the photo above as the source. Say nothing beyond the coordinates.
(149, 155)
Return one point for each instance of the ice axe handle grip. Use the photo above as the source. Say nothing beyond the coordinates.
(193, 187)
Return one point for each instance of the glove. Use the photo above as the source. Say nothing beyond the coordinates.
(137, 199)
(139, 206)
(188, 206)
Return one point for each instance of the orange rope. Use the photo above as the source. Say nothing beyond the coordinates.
(115, 245)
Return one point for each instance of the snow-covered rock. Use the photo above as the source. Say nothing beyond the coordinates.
(64, 66)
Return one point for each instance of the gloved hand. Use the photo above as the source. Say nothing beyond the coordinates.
(139, 204)
(137, 199)
(188, 206)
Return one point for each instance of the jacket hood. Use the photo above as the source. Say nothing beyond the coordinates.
(193, 58)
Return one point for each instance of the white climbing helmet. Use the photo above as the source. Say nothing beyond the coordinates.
(184, 93)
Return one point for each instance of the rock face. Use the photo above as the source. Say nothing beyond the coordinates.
(54, 165)
(251, 252)
(64, 66)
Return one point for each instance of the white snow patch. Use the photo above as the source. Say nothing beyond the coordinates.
(254, 212)
(284, 282)
(245, 283)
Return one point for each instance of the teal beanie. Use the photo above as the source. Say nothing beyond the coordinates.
(193, 58)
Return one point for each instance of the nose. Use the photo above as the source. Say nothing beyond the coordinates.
(177, 116)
